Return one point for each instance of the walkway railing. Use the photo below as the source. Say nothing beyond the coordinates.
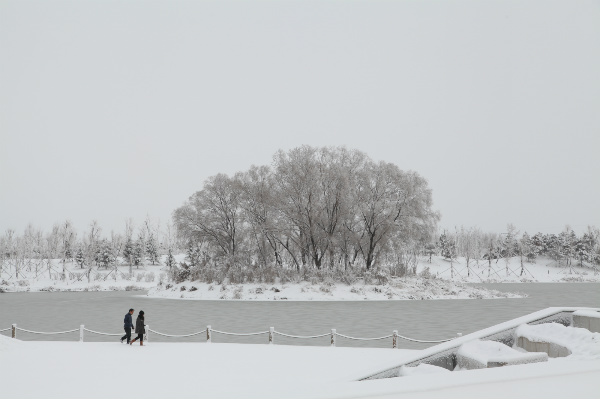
(209, 331)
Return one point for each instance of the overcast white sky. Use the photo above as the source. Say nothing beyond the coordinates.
(117, 109)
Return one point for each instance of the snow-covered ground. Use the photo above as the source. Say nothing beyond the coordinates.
(189, 370)
(77, 279)
(438, 279)
(543, 270)
(405, 288)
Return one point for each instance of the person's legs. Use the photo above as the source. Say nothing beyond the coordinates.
(127, 334)
(140, 337)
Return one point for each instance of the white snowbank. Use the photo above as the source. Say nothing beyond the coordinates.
(587, 313)
(7, 343)
(421, 369)
(68, 370)
(582, 343)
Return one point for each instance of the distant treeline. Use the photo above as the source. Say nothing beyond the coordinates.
(90, 248)
(313, 211)
(563, 247)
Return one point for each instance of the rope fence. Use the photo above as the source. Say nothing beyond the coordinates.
(364, 339)
(271, 332)
(46, 333)
(178, 336)
(302, 336)
(101, 333)
(240, 334)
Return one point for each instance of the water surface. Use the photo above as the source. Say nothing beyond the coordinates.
(427, 320)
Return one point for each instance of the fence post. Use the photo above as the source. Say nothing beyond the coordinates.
(208, 335)
(14, 330)
(395, 339)
(458, 335)
(81, 333)
(146, 332)
(333, 337)
(271, 330)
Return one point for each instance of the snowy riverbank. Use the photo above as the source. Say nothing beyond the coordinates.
(438, 279)
(399, 289)
(190, 370)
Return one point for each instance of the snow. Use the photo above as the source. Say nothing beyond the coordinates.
(543, 270)
(405, 288)
(481, 334)
(477, 354)
(421, 369)
(434, 280)
(142, 278)
(587, 313)
(68, 370)
(582, 343)
(7, 344)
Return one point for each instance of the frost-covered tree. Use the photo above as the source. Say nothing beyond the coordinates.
(152, 249)
(430, 250)
(315, 208)
(170, 259)
(128, 250)
(138, 250)
(80, 258)
(213, 214)
(193, 254)
(104, 255)
(528, 248)
(537, 244)
(447, 246)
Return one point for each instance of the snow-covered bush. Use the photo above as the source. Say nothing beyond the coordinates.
(149, 277)
(426, 273)
(139, 277)
(326, 288)
(348, 277)
(181, 273)
(238, 293)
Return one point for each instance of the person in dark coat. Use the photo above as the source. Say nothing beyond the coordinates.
(139, 329)
(127, 325)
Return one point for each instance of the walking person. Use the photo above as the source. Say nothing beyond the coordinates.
(127, 325)
(140, 329)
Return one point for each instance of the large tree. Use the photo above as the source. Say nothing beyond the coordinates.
(213, 214)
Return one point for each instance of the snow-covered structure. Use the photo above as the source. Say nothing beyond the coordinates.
(479, 354)
(445, 354)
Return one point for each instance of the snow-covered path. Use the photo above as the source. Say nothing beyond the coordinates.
(559, 378)
(192, 370)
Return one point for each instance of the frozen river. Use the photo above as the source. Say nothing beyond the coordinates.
(426, 320)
